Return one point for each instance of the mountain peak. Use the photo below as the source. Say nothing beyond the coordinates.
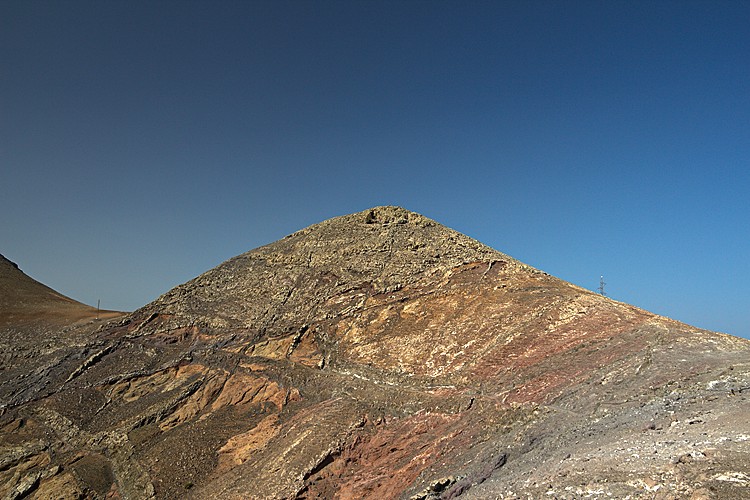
(376, 355)
(380, 249)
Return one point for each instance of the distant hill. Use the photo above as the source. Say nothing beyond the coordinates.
(23, 299)
(376, 355)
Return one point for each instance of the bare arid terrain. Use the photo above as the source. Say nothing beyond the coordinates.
(374, 355)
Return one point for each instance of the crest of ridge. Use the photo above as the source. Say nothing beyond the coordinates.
(383, 248)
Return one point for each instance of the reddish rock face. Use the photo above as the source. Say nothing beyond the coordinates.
(376, 355)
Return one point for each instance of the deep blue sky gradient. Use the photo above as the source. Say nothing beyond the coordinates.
(142, 143)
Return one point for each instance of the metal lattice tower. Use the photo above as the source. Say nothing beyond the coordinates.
(601, 286)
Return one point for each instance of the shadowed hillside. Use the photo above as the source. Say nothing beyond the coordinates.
(379, 355)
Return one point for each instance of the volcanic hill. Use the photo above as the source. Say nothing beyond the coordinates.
(374, 355)
(24, 300)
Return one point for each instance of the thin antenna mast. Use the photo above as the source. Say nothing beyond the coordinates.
(601, 286)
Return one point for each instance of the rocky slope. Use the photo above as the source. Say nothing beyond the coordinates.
(35, 322)
(377, 355)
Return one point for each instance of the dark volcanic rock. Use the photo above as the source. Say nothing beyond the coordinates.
(378, 354)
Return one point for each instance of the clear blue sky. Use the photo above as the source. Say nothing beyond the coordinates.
(143, 143)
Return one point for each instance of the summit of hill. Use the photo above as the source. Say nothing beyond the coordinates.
(379, 354)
